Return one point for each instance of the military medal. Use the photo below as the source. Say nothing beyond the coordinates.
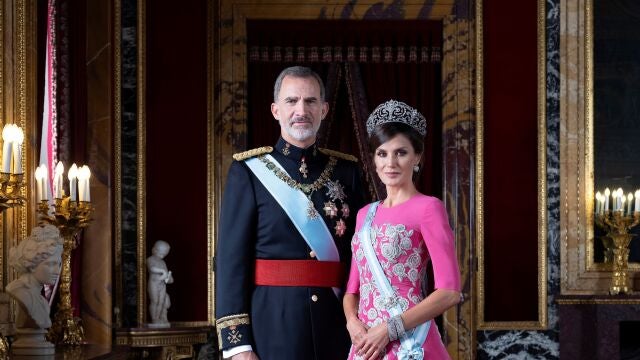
(285, 149)
(330, 209)
(345, 210)
(303, 169)
(340, 227)
(335, 190)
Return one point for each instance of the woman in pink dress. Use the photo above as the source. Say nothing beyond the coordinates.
(388, 316)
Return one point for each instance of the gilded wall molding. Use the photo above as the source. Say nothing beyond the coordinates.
(18, 98)
(229, 114)
(541, 323)
(142, 156)
(579, 273)
(117, 158)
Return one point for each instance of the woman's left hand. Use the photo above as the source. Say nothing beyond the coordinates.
(375, 342)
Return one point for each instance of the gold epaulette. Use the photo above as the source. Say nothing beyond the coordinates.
(338, 154)
(251, 153)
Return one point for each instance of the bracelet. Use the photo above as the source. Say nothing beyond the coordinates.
(399, 325)
(391, 330)
(395, 328)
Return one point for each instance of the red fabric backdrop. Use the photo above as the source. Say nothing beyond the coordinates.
(510, 160)
(176, 88)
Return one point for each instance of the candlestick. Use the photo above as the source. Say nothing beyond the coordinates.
(69, 217)
(73, 182)
(598, 202)
(629, 199)
(39, 183)
(17, 149)
(606, 199)
(7, 137)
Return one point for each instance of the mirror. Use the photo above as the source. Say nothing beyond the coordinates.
(616, 108)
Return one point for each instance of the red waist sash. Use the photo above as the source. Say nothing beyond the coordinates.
(299, 273)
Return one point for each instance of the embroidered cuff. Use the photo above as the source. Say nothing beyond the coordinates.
(234, 330)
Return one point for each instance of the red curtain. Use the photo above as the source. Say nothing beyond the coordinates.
(363, 64)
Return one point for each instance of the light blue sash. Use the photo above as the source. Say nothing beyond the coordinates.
(294, 202)
(411, 342)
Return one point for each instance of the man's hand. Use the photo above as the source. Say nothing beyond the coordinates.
(245, 355)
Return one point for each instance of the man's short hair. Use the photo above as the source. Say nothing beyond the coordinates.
(299, 72)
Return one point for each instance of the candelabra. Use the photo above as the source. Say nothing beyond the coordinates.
(617, 226)
(10, 190)
(69, 217)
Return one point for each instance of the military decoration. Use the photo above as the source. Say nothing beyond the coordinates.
(345, 210)
(303, 168)
(340, 228)
(330, 209)
(285, 149)
(335, 191)
(312, 213)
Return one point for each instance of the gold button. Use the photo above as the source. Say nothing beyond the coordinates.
(314, 298)
(312, 254)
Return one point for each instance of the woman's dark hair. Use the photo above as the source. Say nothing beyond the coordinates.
(387, 131)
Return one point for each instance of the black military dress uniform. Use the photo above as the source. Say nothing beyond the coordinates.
(283, 322)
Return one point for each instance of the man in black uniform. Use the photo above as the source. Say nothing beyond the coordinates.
(288, 215)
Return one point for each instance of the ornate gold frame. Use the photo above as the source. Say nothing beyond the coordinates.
(229, 74)
(117, 160)
(579, 273)
(141, 204)
(541, 323)
(18, 96)
(141, 172)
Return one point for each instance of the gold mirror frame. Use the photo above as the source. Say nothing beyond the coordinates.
(579, 273)
(541, 323)
(18, 104)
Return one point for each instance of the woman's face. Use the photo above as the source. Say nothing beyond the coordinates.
(395, 160)
(47, 272)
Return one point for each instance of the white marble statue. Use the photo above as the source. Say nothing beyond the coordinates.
(37, 261)
(159, 277)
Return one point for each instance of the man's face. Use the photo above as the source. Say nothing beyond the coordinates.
(299, 110)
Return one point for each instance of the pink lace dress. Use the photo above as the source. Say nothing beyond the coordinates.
(408, 235)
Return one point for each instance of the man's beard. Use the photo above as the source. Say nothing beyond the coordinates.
(301, 134)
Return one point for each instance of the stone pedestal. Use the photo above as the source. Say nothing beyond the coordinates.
(32, 342)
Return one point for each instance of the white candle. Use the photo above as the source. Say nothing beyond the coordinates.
(17, 149)
(7, 137)
(598, 202)
(57, 181)
(607, 192)
(46, 185)
(73, 182)
(620, 199)
(629, 199)
(87, 186)
(637, 206)
(38, 183)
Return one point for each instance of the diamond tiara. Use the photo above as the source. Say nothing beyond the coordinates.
(396, 111)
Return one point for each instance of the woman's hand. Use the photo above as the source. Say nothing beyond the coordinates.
(375, 342)
(357, 331)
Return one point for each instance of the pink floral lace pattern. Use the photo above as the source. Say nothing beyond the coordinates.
(407, 236)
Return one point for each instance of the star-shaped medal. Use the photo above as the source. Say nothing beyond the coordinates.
(341, 227)
(345, 210)
(335, 190)
(330, 209)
